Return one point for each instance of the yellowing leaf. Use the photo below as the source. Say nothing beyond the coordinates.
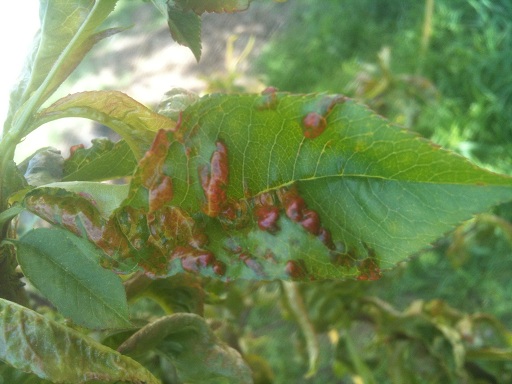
(136, 123)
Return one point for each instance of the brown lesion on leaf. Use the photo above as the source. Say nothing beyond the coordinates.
(74, 212)
(266, 212)
(252, 263)
(131, 236)
(269, 99)
(150, 173)
(313, 125)
(314, 122)
(214, 181)
(296, 269)
(369, 268)
(296, 209)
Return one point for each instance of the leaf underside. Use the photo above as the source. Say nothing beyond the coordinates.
(278, 186)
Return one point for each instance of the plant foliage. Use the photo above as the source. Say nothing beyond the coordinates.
(218, 193)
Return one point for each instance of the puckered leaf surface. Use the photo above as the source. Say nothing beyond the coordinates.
(33, 343)
(134, 122)
(279, 186)
(381, 191)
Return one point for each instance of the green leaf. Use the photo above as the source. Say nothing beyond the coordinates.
(185, 28)
(105, 160)
(198, 355)
(12, 375)
(11, 181)
(32, 343)
(380, 191)
(219, 6)
(105, 197)
(277, 186)
(11, 288)
(133, 121)
(65, 269)
(183, 18)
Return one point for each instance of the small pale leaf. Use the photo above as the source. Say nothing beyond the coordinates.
(185, 27)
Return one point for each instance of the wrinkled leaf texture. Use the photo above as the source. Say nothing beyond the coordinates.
(382, 192)
(279, 186)
(33, 343)
(134, 122)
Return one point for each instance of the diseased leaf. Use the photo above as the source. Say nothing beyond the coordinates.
(12, 375)
(133, 121)
(219, 6)
(32, 343)
(198, 355)
(65, 269)
(130, 237)
(313, 187)
(277, 186)
(104, 197)
(185, 28)
(105, 160)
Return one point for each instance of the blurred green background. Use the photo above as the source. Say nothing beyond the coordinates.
(442, 68)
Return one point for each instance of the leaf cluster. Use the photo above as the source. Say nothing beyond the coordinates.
(213, 191)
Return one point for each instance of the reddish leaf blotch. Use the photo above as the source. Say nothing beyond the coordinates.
(214, 181)
(369, 270)
(295, 269)
(267, 216)
(313, 125)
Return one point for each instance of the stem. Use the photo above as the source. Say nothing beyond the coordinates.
(28, 110)
(426, 33)
(300, 313)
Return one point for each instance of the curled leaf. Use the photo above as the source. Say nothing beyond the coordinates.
(198, 355)
(32, 343)
(135, 123)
